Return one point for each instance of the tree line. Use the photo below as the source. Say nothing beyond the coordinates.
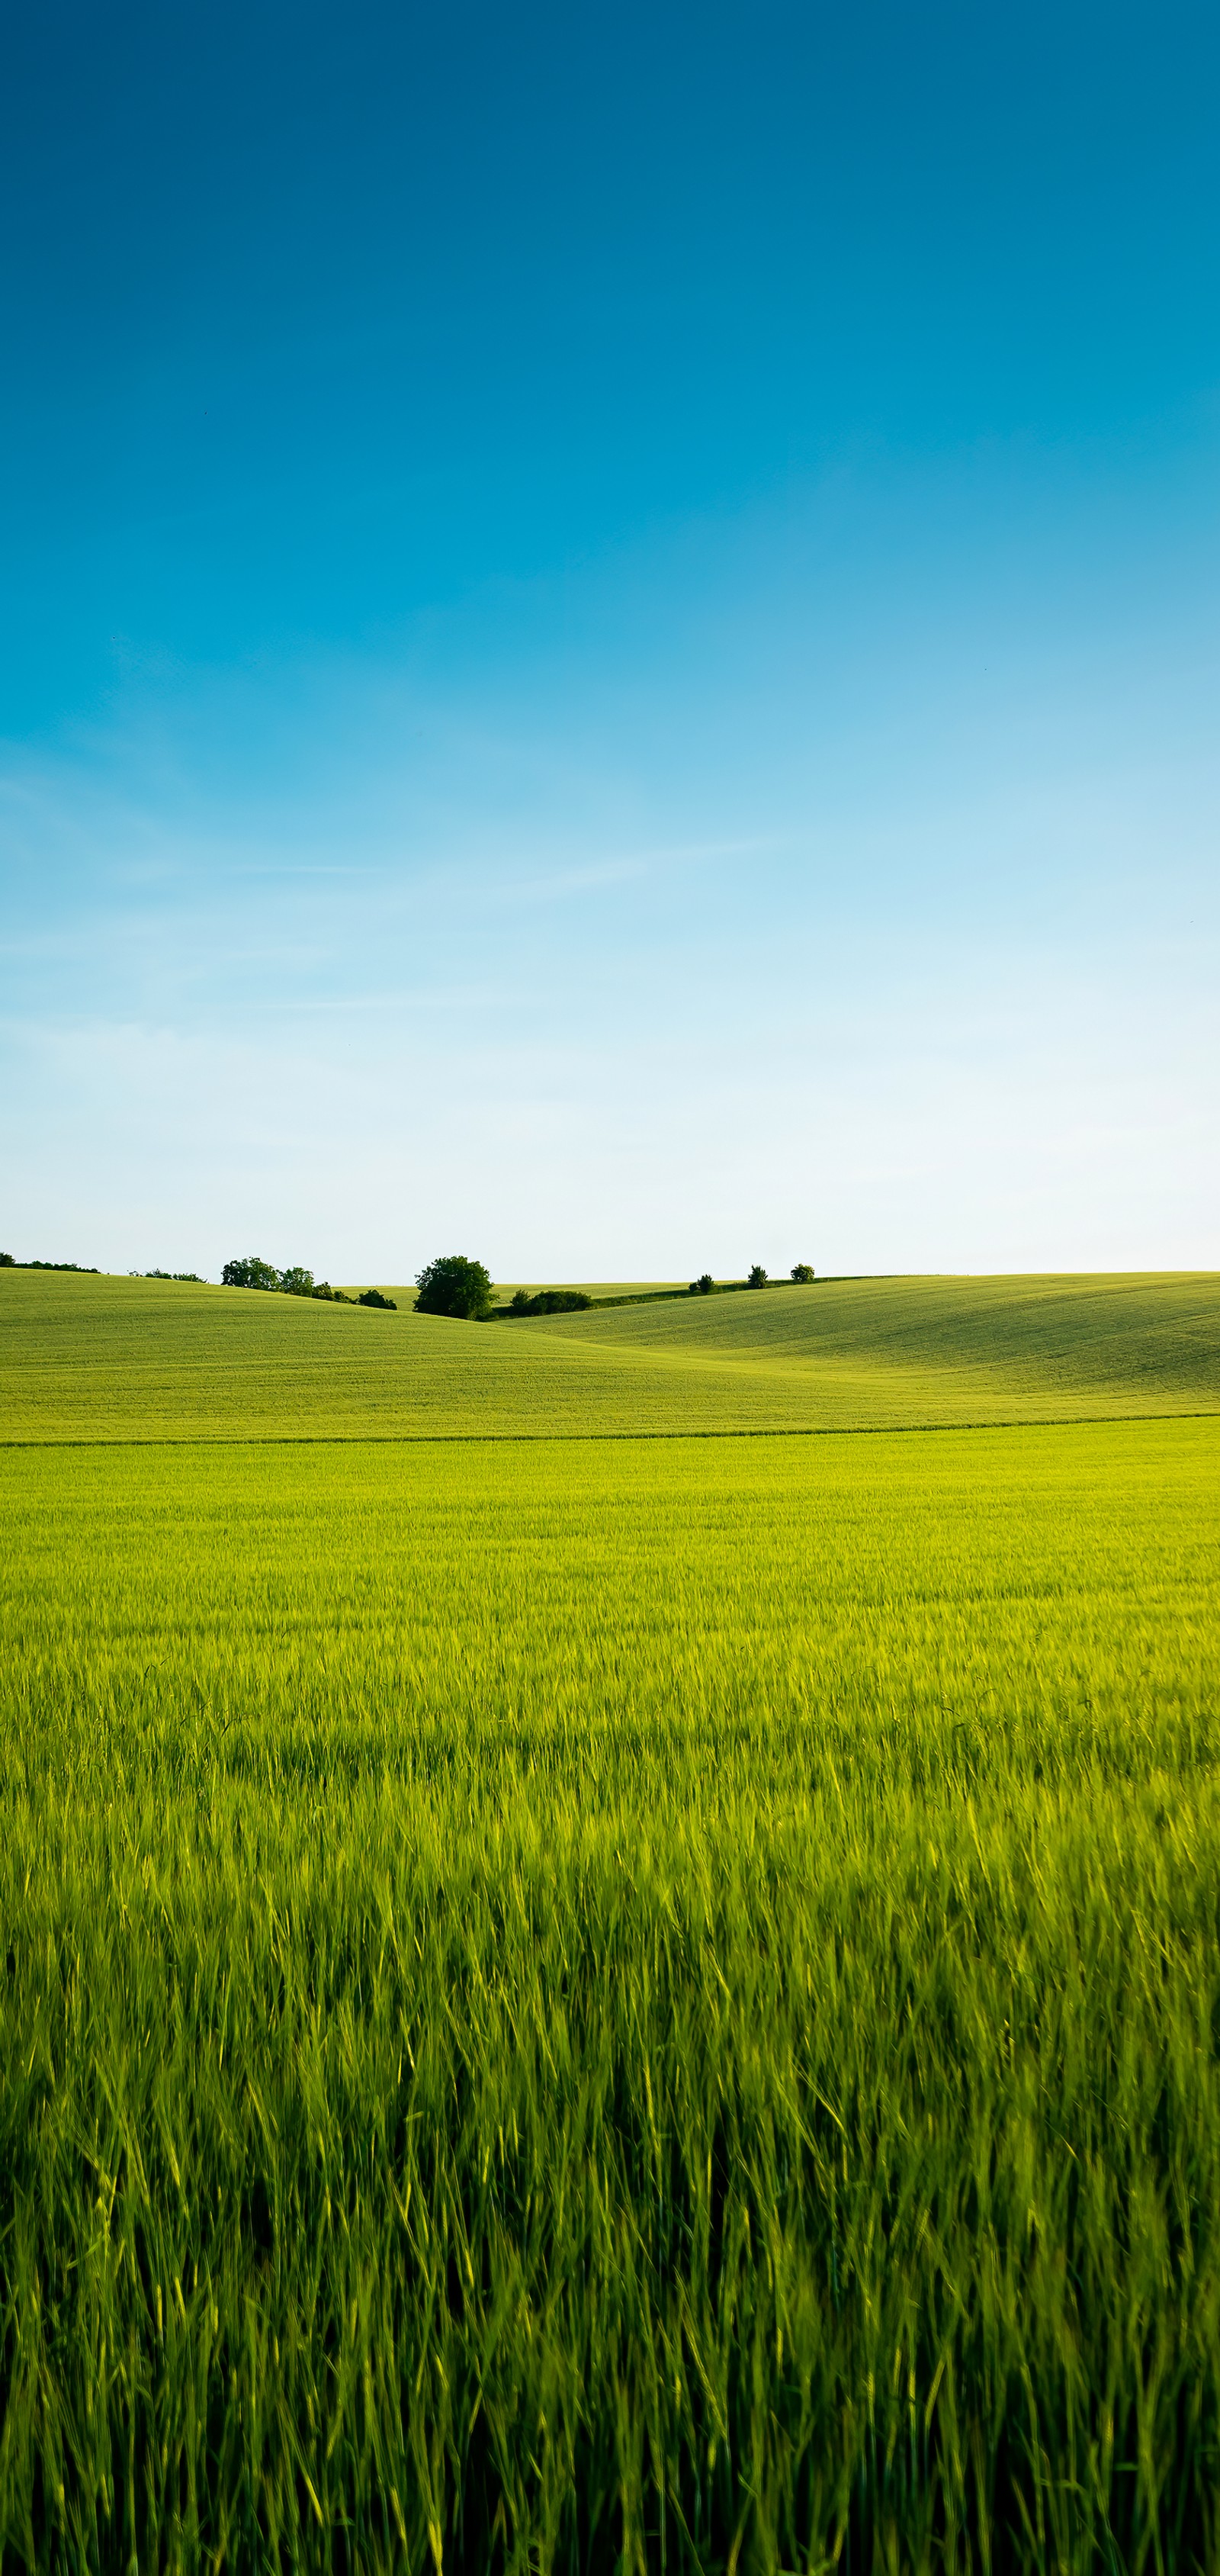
(460, 1288)
(250, 1272)
(801, 1274)
(451, 1285)
(84, 1269)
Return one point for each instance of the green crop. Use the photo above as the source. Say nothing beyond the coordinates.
(613, 2004)
(119, 1359)
(1119, 1339)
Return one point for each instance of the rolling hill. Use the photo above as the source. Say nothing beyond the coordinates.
(89, 1358)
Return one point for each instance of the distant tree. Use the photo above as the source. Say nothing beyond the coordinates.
(758, 1277)
(519, 1303)
(703, 1285)
(454, 1286)
(250, 1273)
(296, 1283)
(8, 1261)
(373, 1297)
(803, 1274)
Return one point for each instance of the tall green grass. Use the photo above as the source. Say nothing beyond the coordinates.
(593, 2006)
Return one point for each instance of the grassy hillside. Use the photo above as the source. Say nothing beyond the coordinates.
(612, 2005)
(1122, 1335)
(117, 1359)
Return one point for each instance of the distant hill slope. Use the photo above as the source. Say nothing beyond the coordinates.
(1124, 1336)
(116, 1359)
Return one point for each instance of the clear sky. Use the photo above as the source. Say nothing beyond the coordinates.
(611, 640)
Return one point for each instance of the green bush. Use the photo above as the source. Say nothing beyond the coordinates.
(549, 1301)
(250, 1273)
(802, 1273)
(454, 1286)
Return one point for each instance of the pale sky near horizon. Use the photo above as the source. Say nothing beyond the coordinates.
(612, 641)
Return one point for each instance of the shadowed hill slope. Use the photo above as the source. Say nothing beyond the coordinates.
(90, 1359)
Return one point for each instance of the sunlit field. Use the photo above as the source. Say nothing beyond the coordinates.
(621, 2001)
(137, 1359)
(612, 2004)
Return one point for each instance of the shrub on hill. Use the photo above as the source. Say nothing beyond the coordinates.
(549, 1301)
(802, 1273)
(455, 1286)
(250, 1273)
(703, 1285)
(758, 1276)
(294, 1282)
(84, 1269)
(373, 1297)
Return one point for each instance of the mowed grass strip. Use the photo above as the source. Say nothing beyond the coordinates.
(116, 1359)
(613, 2005)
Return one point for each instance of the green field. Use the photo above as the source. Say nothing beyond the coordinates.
(587, 2003)
(118, 1359)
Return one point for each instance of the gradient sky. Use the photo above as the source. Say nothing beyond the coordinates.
(611, 636)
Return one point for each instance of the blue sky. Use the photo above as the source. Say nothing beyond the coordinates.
(612, 638)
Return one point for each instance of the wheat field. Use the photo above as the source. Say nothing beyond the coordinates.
(606, 2003)
(139, 1359)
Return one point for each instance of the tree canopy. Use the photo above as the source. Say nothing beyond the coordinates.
(296, 1281)
(250, 1272)
(453, 1285)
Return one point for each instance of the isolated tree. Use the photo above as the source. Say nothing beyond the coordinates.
(454, 1286)
(8, 1261)
(373, 1297)
(250, 1273)
(297, 1283)
(802, 1272)
(758, 1277)
(703, 1285)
